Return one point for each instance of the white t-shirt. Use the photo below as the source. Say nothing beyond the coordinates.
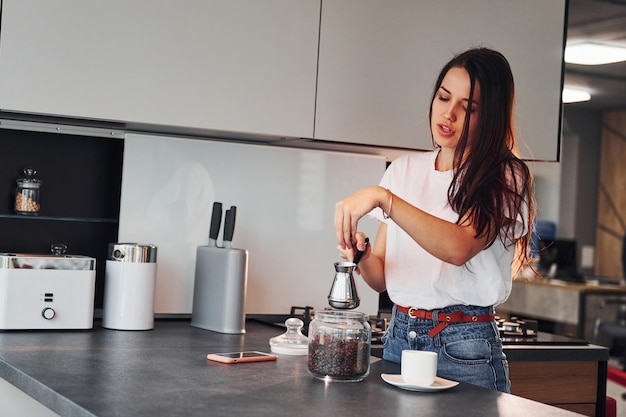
(414, 277)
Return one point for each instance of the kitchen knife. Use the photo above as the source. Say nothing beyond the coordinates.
(229, 226)
(216, 221)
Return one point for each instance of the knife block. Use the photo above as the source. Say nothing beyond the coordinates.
(219, 292)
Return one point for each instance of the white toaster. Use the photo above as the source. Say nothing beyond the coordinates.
(46, 291)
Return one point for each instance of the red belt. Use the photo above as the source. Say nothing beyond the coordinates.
(444, 319)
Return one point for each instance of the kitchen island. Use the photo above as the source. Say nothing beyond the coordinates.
(164, 372)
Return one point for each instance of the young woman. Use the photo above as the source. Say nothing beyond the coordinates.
(454, 225)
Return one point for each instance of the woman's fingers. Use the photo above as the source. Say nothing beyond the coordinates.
(343, 225)
(345, 254)
(339, 225)
(360, 242)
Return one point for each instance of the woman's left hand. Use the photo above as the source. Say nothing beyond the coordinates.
(358, 245)
(349, 211)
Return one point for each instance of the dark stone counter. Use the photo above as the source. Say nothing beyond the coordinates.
(164, 372)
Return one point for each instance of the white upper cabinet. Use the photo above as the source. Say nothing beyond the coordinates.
(379, 60)
(252, 66)
(242, 66)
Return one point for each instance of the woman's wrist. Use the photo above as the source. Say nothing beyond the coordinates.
(386, 204)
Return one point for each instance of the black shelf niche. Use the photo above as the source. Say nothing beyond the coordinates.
(80, 194)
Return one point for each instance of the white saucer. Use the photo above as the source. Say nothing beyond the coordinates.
(438, 385)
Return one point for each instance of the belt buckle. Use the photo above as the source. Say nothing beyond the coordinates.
(410, 312)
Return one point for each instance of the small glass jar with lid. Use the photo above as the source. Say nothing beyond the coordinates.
(27, 193)
(292, 342)
(339, 346)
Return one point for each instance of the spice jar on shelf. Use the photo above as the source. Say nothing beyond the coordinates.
(339, 346)
(27, 193)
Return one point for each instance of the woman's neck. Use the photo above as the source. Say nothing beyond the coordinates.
(444, 160)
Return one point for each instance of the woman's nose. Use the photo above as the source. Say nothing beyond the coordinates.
(449, 114)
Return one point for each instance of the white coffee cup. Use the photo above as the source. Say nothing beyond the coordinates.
(418, 367)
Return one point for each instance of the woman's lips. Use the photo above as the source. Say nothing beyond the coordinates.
(445, 130)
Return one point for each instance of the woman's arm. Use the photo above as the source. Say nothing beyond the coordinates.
(450, 242)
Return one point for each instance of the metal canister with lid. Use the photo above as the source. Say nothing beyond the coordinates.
(129, 289)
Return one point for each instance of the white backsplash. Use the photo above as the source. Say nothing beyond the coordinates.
(285, 202)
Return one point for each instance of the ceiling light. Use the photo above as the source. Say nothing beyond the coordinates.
(572, 95)
(593, 53)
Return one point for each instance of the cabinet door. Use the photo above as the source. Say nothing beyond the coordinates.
(379, 61)
(241, 66)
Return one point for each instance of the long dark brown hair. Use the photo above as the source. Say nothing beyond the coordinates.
(491, 184)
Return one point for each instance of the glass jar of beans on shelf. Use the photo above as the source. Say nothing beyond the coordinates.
(27, 193)
(339, 346)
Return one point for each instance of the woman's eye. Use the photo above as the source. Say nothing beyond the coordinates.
(471, 110)
(442, 98)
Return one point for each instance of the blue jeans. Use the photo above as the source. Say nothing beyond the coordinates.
(468, 352)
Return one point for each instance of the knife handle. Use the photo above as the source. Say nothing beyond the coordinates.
(229, 224)
(216, 220)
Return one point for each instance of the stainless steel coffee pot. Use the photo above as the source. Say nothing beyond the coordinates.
(343, 294)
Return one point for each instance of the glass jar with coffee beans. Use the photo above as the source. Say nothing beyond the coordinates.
(27, 193)
(339, 346)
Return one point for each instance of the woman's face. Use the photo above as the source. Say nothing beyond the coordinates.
(450, 105)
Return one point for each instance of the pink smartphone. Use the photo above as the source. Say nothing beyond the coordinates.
(236, 357)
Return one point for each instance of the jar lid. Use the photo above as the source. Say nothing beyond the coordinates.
(292, 342)
(29, 181)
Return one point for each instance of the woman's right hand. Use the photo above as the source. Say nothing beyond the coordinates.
(349, 211)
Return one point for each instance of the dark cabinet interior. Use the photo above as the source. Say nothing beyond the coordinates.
(80, 194)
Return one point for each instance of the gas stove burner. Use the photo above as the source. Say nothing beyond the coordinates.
(379, 326)
(517, 328)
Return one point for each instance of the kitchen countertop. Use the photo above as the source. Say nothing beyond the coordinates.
(164, 372)
(573, 306)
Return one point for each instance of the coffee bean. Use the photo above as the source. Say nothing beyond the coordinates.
(338, 357)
